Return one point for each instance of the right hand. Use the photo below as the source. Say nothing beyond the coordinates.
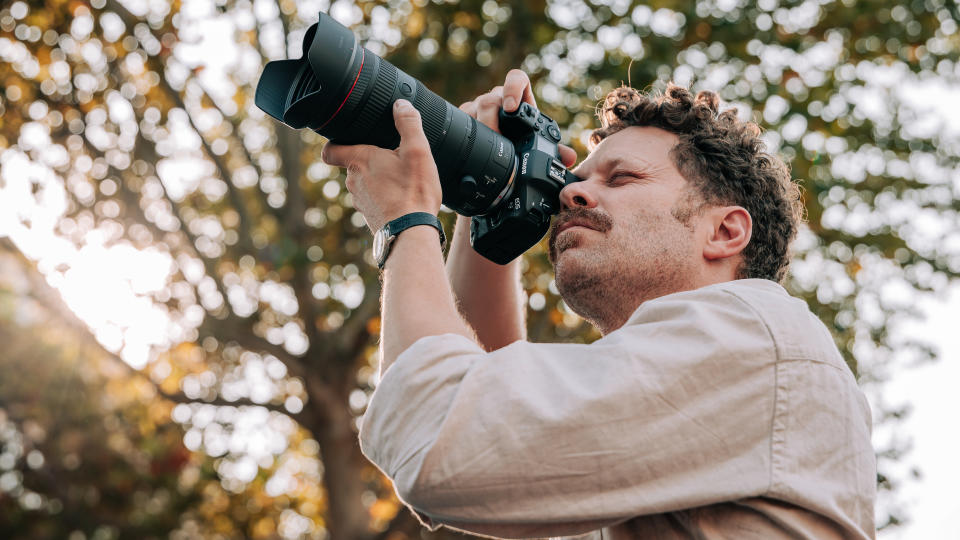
(516, 88)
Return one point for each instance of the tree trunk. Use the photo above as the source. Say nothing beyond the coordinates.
(343, 466)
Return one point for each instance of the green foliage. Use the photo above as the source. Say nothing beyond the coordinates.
(129, 118)
(74, 457)
(87, 448)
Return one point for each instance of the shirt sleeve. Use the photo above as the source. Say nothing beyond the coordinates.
(672, 411)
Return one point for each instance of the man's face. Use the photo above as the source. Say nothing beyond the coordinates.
(619, 239)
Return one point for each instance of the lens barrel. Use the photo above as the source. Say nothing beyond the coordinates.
(344, 92)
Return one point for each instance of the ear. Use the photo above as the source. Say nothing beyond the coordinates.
(729, 232)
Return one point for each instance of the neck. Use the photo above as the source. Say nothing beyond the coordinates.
(610, 311)
(609, 307)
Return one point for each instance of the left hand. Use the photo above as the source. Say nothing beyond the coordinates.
(387, 184)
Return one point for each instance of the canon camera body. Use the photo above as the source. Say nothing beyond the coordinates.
(509, 183)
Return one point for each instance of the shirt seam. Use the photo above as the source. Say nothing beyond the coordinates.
(776, 382)
(842, 369)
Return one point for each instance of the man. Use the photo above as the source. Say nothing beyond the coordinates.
(714, 405)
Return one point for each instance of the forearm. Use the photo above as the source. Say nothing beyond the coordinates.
(417, 301)
(488, 295)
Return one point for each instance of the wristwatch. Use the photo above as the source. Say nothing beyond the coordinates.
(384, 238)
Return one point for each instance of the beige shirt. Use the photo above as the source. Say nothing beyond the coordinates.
(724, 412)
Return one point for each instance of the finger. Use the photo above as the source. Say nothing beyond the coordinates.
(516, 88)
(410, 127)
(488, 108)
(567, 155)
(470, 108)
(342, 155)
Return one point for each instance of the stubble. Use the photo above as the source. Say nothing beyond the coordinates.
(605, 279)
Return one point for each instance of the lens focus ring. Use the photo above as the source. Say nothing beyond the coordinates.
(433, 111)
(384, 76)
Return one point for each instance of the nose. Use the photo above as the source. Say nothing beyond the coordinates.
(577, 194)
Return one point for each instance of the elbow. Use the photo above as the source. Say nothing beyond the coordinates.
(416, 497)
(412, 485)
(406, 471)
(419, 484)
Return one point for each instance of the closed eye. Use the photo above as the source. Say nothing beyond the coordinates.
(625, 177)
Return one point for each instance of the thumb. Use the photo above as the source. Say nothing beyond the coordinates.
(410, 127)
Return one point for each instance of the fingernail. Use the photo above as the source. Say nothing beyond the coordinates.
(509, 104)
(402, 105)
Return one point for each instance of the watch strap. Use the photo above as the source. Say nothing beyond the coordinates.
(404, 222)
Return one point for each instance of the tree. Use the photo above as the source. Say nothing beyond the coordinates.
(127, 124)
(86, 448)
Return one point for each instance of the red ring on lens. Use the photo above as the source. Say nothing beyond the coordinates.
(363, 54)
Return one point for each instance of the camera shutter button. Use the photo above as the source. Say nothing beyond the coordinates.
(406, 89)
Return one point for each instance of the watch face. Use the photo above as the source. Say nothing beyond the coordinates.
(379, 242)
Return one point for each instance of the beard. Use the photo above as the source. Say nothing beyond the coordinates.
(597, 220)
(605, 274)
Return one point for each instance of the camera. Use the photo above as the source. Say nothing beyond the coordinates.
(509, 183)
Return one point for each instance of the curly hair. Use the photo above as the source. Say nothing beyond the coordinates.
(726, 162)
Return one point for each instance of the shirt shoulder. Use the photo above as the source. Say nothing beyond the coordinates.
(797, 332)
(760, 304)
(821, 414)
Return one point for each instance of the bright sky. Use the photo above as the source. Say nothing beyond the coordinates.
(105, 286)
(932, 390)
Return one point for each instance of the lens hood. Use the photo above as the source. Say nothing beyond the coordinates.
(331, 44)
(290, 90)
(274, 86)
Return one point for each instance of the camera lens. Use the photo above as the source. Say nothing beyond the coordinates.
(344, 92)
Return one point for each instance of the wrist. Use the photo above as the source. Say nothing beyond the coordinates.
(389, 235)
(424, 234)
(412, 209)
(421, 240)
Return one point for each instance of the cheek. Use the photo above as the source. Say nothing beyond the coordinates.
(657, 230)
(643, 221)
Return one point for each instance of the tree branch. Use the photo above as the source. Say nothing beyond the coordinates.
(50, 299)
(208, 263)
(290, 149)
(155, 64)
(353, 335)
(234, 121)
(223, 170)
(219, 401)
(241, 330)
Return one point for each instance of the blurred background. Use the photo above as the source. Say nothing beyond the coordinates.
(188, 304)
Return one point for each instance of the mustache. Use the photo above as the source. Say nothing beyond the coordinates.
(595, 219)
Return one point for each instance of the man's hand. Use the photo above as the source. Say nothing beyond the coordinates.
(489, 295)
(516, 89)
(387, 184)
